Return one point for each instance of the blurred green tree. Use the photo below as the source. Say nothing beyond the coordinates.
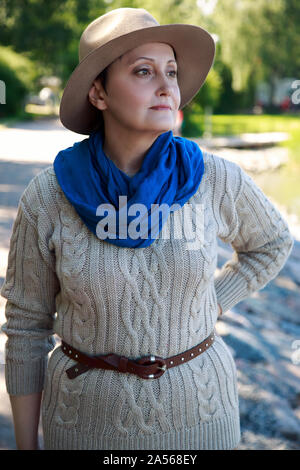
(48, 31)
(19, 75)
(256, 40)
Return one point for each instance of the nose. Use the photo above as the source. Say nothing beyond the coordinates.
(164, 90)
(165, 86)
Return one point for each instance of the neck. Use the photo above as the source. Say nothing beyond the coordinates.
(128, 150)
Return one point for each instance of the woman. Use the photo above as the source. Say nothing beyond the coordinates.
(137, 292)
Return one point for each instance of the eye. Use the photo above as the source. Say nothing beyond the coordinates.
(141, 70)
(174, 72)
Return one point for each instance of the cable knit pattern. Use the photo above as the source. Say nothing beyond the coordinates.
(159, 300)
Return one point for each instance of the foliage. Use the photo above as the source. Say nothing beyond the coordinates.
(49, 31)
(256, 40)
(19, 75)
(206, 100)
(210, 92)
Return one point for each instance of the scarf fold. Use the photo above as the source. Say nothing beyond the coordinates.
(118, 208)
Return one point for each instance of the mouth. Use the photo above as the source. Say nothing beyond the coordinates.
(161, 108)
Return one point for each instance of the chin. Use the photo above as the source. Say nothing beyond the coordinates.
(164, 127)
(167, 128)
(157, 126)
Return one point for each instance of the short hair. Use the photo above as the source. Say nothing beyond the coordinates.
(103, 77)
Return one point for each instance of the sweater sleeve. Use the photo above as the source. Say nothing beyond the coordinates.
(30, 288)
(256, 231)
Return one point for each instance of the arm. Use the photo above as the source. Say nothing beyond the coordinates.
(26, 415)
(257, 232)
(30, 288)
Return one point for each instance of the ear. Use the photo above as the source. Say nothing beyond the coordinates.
(97, 95)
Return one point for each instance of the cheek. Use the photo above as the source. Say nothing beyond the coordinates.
(130, 97)
(139, 95)
(177, 95)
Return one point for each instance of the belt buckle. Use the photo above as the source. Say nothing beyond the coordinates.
(161, 366)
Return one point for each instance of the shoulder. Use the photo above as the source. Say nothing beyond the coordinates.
(40, 193)
(223, 175)
(217, 166)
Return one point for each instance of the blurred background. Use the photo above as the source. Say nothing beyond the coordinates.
(248, 111)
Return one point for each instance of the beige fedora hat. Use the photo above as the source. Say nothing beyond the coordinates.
(118, 31)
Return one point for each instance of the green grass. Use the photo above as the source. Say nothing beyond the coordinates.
(240, 124)
(22, 116)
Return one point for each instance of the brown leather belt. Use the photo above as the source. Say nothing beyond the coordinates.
(148, 367)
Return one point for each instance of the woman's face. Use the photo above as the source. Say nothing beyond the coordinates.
(134, 85)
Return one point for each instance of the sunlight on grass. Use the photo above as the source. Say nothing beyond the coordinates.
(45, 109)
(240, 124)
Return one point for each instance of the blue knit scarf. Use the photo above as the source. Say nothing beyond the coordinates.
(171, 172)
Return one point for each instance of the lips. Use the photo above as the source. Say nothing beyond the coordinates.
(161, 107)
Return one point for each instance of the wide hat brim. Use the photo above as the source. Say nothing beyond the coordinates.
(195, 51)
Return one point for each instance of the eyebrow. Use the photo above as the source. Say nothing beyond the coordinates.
(149, 58)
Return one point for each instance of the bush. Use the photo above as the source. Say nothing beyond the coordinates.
(19, 75)
(234, 101)
(229, 101)
(193, 125)
(209, 94)
(207, 97)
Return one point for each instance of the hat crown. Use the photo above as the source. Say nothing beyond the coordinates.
(111, 25)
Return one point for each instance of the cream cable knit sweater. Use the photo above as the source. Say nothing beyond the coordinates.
(159, 300)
